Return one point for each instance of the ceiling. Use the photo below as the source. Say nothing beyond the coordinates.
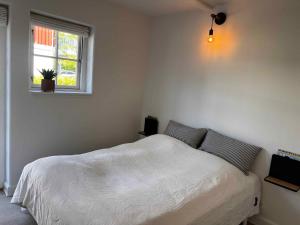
(161, 7)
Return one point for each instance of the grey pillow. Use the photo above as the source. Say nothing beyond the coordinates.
(189, 135)
(237, 153)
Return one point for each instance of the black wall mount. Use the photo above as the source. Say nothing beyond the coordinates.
(219, 18)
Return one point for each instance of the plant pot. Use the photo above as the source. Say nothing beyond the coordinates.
(48, 85)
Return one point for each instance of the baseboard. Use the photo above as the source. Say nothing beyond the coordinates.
(260, 220)
(9, 190)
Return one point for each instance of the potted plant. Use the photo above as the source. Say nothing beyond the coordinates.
(48, 84)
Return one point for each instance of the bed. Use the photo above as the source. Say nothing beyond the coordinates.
(158, 180)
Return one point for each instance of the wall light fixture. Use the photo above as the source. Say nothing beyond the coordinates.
(219, 19)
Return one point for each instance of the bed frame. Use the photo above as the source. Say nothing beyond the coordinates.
(25, 211)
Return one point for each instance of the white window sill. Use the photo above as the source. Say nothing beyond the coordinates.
(60, 92)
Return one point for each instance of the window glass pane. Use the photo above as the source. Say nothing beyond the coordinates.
(67, 73)
(68, 45)
(40, 63)
(44, 41)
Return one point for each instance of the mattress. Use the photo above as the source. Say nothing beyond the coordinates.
(155, 181)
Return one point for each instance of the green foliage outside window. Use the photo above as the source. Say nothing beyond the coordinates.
(61, 80)
(68, 48)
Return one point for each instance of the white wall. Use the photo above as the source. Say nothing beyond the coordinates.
(2, 100)
(43, 125)
(246, 84)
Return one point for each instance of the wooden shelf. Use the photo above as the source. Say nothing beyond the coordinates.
(283, 183)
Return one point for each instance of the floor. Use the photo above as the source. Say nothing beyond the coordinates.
(11, 214)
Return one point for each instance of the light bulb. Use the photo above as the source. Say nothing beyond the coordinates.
(211, 36)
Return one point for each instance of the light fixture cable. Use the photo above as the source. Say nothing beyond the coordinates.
(211, 31)
(212, 20)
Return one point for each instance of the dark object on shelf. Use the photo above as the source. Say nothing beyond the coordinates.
(48, 85)
(284, 172)
(150, 127)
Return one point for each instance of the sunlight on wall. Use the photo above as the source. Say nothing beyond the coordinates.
(223, 47)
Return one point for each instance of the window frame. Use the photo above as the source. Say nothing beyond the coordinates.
(82, 62)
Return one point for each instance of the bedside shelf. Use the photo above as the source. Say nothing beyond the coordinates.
(282, 183)
(284, 172)
(142, 133)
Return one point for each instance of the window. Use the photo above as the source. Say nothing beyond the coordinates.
(63, 47)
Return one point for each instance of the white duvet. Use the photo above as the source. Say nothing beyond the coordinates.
(155, 181)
